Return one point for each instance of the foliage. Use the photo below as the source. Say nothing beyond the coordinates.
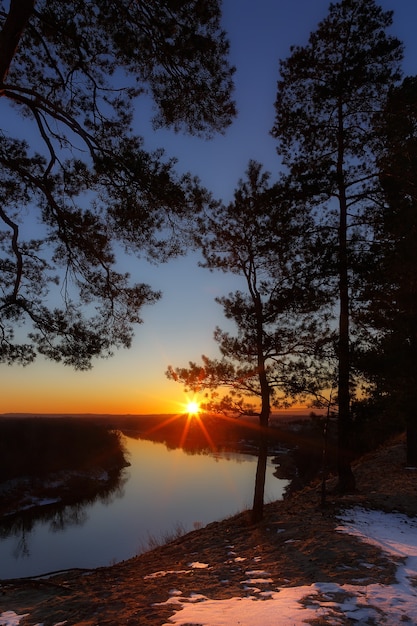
(336, 83)
(395, 284)
(77, 185)
(35, 447)
(390, 291)
(276, 353)
(329, 94)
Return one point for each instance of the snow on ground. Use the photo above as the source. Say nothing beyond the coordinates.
(395, 604)
(390, 605)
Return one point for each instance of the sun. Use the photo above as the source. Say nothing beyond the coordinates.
(192, 407)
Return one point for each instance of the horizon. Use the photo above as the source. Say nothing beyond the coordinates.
(302, 411)
(180, 327)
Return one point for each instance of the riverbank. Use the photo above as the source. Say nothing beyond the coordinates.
(296, 545)
(67, 459)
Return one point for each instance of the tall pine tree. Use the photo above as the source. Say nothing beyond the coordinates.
(390, 291)
(329, 92)
(274, 356)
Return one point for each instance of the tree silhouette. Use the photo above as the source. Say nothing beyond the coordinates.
(390, 288)
(276, 355)
(80, 186)
(329, 93)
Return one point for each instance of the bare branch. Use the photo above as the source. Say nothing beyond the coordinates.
(14, 26)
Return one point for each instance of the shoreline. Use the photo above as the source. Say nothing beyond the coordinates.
(296, 543)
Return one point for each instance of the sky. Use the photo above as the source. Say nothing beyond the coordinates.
(264, 603)
(179, 328)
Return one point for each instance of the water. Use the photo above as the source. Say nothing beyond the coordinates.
(163, 491)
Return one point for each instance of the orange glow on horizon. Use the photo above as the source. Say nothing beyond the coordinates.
(193, 417)
(57, 390)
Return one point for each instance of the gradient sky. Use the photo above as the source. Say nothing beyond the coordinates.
(180, 326)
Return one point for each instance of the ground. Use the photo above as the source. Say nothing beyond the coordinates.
(296, 544)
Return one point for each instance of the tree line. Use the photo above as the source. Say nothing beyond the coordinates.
(326, 251)
(36, 447)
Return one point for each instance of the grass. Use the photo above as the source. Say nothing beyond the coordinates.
(166, 537)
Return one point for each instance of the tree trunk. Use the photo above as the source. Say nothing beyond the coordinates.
(411, 444)
(11, 33)
(258, 497)
(346, 479)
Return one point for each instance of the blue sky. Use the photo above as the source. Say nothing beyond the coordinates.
(180, 327)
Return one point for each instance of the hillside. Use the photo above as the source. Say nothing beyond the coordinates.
(296, 544)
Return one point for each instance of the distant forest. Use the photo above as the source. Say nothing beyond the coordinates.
(36, 447)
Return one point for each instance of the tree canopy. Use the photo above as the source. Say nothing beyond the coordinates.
(389, 287)
(274, 353)
(77, 184)
(330, 93)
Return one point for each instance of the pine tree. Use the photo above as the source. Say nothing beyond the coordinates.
(79, 185)
(390, 291)
(329, 93)
(275, 354)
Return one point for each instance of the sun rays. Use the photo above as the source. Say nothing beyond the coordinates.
(193, 416)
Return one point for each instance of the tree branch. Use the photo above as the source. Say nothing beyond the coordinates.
(15, 24)
(18, 254)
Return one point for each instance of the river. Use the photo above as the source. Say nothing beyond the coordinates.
(163, 491)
